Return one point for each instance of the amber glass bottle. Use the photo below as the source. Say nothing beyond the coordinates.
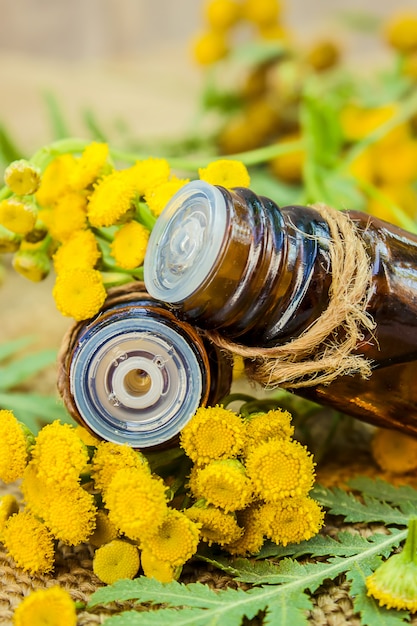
(136, 374)
(261, 275)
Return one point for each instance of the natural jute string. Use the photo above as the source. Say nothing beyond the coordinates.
(325, 350)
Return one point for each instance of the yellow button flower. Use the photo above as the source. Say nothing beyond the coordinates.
(89, 167)
(69, 513)
(251, 520)
(158, 196)
(116, 560)
(155, 568)
(55, 180)
(112, 199)
(22, 177)
(209, 47)
(226, 173)
(263, 426)
(69, 214)
(394, 583)
(80, 250)
(222, 14)
(216, 526)
(224, 484)
(292, 520)
(176, 539)
(79, 293)
(213, 433)
(17, 216)
(279, 469)
(401, 31)
(111, 457)
(104, 532)
(29, 542)
(16, 442)
(136, 502)
(52, 607)
(129, 245)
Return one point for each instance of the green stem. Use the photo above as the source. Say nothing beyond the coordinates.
(251, 157)
(410, 546)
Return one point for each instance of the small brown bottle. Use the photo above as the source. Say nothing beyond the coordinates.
(261, 279)
(136, 374)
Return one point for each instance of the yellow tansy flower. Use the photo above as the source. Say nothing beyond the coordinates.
(136, 502)
(261, 12)
(90, 165)
(69, 214)
(176, 539)
(9, 242)
(155, 568)
(8, 507)
(46, 607)
(16, 442)
(226, 173)
(157, 197)
(86, 437)
(80, 251)
(22, 177)
(224, 484)
(209, 47)
(213, 433)
(148, 174)
(112, 199)
(70, 513)
(405, 170)
(263, 426)
(401, 31)
(36, 497)
(55, 180)
(29, 542)
(221, 14)
(289, 167)
(34, 264)
(394, 583)
(79, 293)
(252, 539)
(394, 451)
(17, 216)
(116, 560)
(358, 121)
(216, 526)
(129, 245)
(104, 532)
(111, 457)
(59, 452)
(292, 520)
(279, 469)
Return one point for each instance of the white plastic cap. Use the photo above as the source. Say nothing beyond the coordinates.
(185, 242)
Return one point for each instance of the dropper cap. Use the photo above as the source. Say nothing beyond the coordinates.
(185, 242)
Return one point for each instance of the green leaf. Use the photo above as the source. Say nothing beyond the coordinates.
(340, 502)
(283, 595)
(60, 129)
(370, 610)
(378, 488)
(90, 120)
(34, 410)
(17, 371)
(9, 348)
(257, 52)
(9, 151)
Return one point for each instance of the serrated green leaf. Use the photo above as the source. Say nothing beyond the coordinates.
(168, 617)
(19, 370)
(370, 610)
(225, 607)
(340, 502)
(346, 544)
(378, 488)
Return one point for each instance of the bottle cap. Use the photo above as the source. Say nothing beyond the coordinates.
(185, 242)
(136, 378)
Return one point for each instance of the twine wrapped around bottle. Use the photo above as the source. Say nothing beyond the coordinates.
(325, 350)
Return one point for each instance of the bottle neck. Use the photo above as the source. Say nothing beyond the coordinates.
(258, 290)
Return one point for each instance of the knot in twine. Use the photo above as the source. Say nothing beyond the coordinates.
(325, 350)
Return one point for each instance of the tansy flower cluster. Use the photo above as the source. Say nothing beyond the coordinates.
(250, 480)
(341, 151)
(88, 220)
